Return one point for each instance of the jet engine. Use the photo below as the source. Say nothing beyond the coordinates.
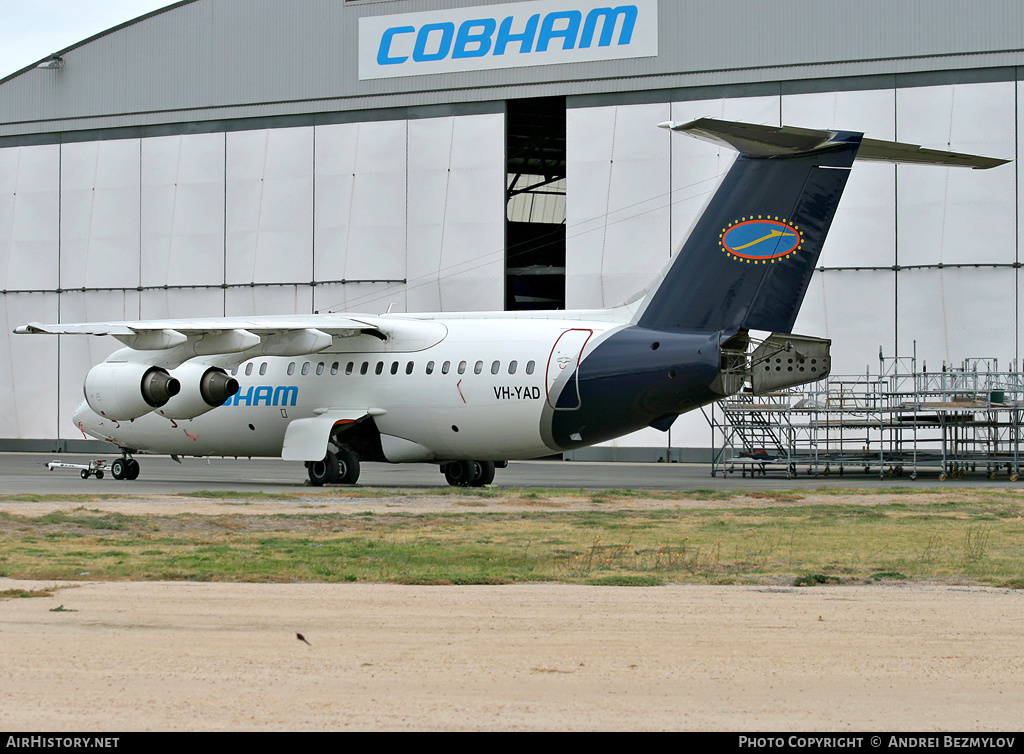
(203, 388)
(122, 390)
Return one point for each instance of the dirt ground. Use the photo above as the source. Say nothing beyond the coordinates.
(99, 656)
(186, 656)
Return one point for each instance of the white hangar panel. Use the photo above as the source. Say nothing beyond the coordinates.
(360, 298)
(270, 206)
(360, 176)
(78, 354)
(29, 217)
(957, 313)
(183, 210)
(28, 369)
(864, 229)
(456, 213)
(857, 310)
(99, 214)
(697, 166)
(179, 303)
(268, 299)
(590, 138)
(953, 215)
(618, 205)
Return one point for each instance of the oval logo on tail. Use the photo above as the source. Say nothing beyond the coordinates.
(760, 239)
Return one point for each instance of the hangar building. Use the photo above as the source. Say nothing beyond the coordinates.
(234, 157)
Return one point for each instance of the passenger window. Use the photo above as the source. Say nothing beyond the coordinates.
(305, 367)
(263, 368)
(529, 367)
(334, 368)
(462, 367)
(234, 372)
(319, 369)
(408, 368)
(430, 367)
(364, 367)
(495, 367)
(394, 367)
(380, 368)
(349, 367)
(445, 367)
(512, 367)
(291, 369)
(248, 369)
(478, 367)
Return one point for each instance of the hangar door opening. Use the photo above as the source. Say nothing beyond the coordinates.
(535, 204)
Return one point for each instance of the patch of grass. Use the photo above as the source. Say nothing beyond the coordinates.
(730, 540)
(235, 495)
(889, 576)
(815, 579)
(624, 580)
(9, 594)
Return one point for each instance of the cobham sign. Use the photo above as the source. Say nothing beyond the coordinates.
(544, 32)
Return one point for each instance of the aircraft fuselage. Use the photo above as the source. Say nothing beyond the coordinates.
(487, 388)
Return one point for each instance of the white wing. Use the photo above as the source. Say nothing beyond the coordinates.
(268, 336)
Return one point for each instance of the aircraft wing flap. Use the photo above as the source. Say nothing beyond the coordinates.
(306, 439)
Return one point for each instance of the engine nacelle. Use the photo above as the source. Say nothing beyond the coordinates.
(124, 390)
(203, 388)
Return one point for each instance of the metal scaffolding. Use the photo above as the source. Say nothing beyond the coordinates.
(957, 420)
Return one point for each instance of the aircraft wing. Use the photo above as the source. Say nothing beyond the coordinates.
(273, 336)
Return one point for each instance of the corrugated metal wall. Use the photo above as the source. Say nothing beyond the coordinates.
(266, 221)
(215, 59)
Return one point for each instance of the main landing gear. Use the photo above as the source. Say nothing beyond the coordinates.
(124, 467)
(336, 468)
(468, 473)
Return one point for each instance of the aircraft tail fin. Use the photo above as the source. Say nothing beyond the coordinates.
(749, 259)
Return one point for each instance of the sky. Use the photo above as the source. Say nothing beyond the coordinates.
(32, 29)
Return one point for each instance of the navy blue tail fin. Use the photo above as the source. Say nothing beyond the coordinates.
(749, 259)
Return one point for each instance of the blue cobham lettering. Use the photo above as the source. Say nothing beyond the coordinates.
(474, 38)
(481, 37)
(265, 395)
(383, 52)
(610, 17)
(444, 45)
(524, 38)
(566, 33)
(285, 392)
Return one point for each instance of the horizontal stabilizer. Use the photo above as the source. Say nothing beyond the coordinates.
(774, 141)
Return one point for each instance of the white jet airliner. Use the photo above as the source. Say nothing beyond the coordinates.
(471, 391)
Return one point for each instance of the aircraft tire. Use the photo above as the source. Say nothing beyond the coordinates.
(348, 466)
(462, 473)
(486, 475)
(119, 469)
(133, 470)
(323, 472)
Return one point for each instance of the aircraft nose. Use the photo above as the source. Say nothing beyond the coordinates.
(84, 417)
